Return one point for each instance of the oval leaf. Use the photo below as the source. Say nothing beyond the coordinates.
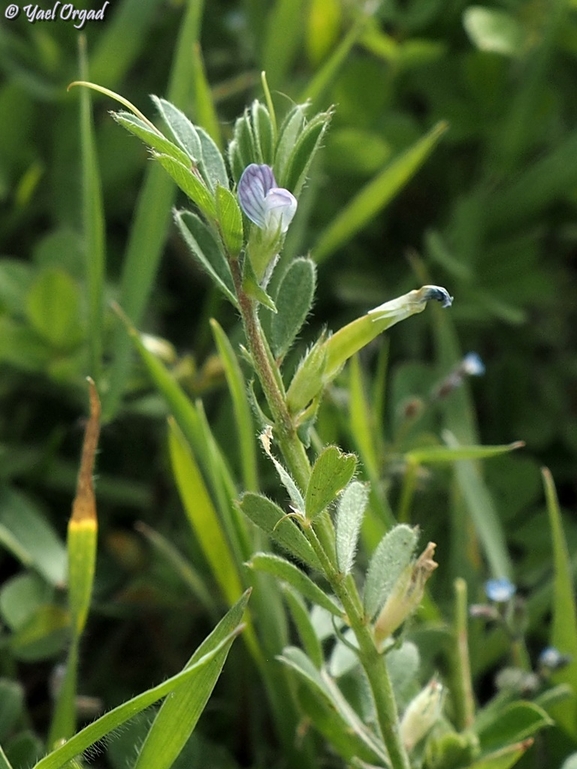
(331, 473)
(293, 303)
(350, 512)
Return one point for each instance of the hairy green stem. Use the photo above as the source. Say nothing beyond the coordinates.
(371, 659)
(464, 699)
(321, 533)
(285, 430)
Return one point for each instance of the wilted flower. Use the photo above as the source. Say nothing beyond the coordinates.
(500, 590)
(406, 595)
(421, 714)
(270, 207)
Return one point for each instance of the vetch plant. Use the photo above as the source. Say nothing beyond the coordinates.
(236, 233)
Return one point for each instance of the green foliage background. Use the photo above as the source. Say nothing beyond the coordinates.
(490, 214)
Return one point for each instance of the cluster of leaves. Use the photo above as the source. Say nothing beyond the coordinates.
(493, 200)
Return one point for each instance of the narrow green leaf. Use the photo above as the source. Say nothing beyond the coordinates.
(284, 31)
(269, 517)
(204, 108)
(153, 139)
(350, 512)
(331, 472)
(264, 131)
(4, 763)
(202, 516)
(229, 220)
(25, 531)
(93, 223)
(213, 166)
(206, 250)
(287, 571)
(11, 706)
(375, 195)
(393, 554)
(302, 620)
(304, 151)
(124, 35)
(515, 722)
(184, 132)
(53, 308)
(190, 183)
(440, 454)
(504, 758)
(151, 220)
(288, 135)
(564, 630)
(322, 684)
(179, 713)
(317, 86)
(119, 715)
(363, 425)
(483, 513)
(293, 303)
(242, 413)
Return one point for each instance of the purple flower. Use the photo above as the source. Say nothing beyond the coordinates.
(270, 207)
(500, 590)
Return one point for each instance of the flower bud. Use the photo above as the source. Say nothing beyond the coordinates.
(421, 714)
(406, 595)
(270, 208)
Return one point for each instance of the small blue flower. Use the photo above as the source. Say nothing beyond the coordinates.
(500, 590)
(552, 659)
(270, 207)
(472, 365)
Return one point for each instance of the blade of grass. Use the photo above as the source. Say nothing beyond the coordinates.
(375, 195)
(204, 109)
(119, 715)
(4, 763)
(564, 630)
(242, 413)
(202, 516)
(284, 32)
(93, 221)
(123, 37)
(152, 218)
(179, 713)
(326, 74)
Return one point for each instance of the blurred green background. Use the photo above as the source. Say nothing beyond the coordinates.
(491, 215)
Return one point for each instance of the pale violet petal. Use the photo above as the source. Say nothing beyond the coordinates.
(254, 184)
(280, 208)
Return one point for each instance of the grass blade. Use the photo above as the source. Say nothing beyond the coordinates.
(93, 222)
(179, 713)
(564, 630)
(202, 516)
(119, 715)
(151, 220)
(375, 195)
(242, 413)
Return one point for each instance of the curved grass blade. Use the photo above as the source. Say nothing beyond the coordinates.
(151, 220)
(564, 630)
(179, 713)
(92, 222)
(241, 407)
(375, 195)
(119, 715)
